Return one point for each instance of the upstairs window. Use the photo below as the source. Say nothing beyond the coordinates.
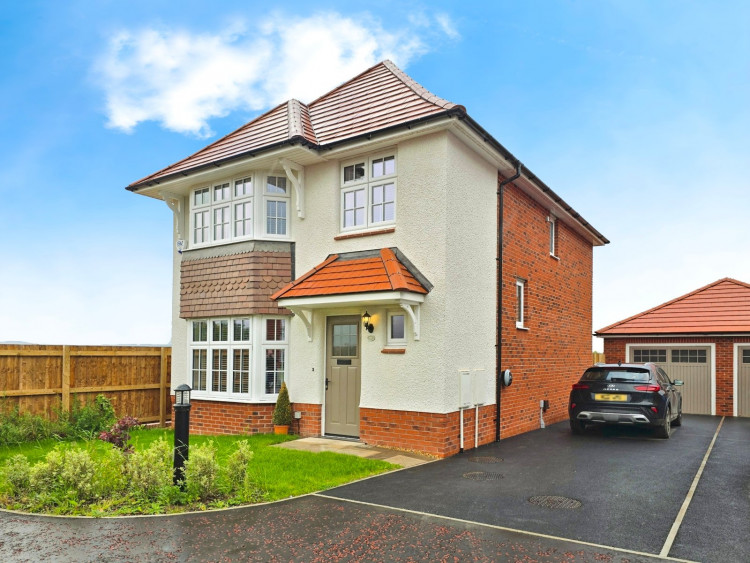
(368, 192)
(520, 303)
(552, 228)
(226, 211)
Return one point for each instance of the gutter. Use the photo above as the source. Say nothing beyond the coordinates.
(498, 330)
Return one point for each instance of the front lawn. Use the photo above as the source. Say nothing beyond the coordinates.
(93, 478)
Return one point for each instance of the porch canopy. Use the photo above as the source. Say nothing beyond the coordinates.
(370, 277)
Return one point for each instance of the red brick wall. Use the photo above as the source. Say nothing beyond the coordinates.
(430, 433)
(549, 357)
(217, 417)
(238, 284)
(614, 349)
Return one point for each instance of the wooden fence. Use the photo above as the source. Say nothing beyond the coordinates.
(599, 357)
(39, 379)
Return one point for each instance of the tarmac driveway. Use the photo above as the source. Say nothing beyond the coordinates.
(630, 485)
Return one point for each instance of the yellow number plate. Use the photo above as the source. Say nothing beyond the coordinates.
(609, 397)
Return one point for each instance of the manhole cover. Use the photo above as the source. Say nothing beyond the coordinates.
(555, 502)
(482, 476)
(485, 459)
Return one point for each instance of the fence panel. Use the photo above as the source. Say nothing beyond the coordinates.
(38, 379)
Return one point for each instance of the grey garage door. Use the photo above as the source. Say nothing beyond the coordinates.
(691, 365)
(743, 381)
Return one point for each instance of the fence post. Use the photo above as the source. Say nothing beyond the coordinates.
(66, 379)
(163, 389)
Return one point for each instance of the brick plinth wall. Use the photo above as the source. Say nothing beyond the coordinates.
(554, 348)
(614, 350)
(431, 433)
(216, 417)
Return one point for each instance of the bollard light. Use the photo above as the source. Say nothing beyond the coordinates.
(181, 432)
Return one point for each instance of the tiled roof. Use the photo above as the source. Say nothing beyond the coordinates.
(720, 307)
(356, 272)
(380, 97)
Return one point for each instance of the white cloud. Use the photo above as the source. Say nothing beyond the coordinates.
(183, 79)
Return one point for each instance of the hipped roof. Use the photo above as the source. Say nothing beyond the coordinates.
(357, 272)
(720, 307)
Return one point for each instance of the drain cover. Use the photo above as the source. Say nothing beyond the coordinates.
(555, 502)
(482, 476)
(485, 459)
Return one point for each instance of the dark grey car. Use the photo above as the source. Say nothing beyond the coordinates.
(632, 394)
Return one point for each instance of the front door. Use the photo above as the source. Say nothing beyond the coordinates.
(743, 381)
(342, 376)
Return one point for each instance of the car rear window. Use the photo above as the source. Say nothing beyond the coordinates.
(616, 374)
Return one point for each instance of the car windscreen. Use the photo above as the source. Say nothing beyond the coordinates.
(616, 374)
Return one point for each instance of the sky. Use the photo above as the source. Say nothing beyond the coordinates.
(637, 113)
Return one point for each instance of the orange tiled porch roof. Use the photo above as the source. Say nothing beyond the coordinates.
(357, 272)
(720, 307)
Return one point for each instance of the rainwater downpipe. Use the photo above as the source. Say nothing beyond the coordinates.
(498, 331)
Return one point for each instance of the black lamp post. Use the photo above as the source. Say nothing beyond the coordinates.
(181, 431)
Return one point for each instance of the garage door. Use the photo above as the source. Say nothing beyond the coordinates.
(691, 365)
(743, 381)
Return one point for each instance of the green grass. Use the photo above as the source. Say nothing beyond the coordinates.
(277, 473)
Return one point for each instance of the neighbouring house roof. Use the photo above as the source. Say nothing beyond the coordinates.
(720, 307)
(348, 273)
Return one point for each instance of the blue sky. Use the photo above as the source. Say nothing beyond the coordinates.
(635, 112)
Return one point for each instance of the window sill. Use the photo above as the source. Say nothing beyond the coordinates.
(555, 257)
(365, 234)
(225, 399)
(393, 351)
(522, 327)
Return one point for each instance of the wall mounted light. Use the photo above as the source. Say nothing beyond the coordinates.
(369, 327)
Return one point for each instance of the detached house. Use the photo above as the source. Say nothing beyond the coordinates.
(384, 255)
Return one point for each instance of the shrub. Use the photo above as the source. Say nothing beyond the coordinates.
(282, 412)
(17, 473)
(236, 466)
(150, 471)
(16, 428)
(46, 475)
(77, 473)
(88, 420)
(110, 478)
(201, 471)
(119, 434)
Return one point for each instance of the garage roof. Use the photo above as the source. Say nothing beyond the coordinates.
(720, 307)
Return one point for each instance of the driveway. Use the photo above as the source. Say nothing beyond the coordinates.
(474, 506)
(630, 485)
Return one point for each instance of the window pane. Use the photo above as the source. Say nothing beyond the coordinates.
(200, 227)
(243, 188)
(389, 212)
(746, 356)
(354, 208)
(354, 172)
(199, 369)
(390, 164)
(275, 366)
(519, 303)
(275, 330)
(359, 216)
(344, 340)
(221, 192)
(219, 371)
(242, 330)
(377, 168)
(241, 370)
(377, 194)
(397, 327)
(276, 217)
(221, 223)
(276, 185)
(200, 197)
(220, 331)
(200, 331)
(243, 215)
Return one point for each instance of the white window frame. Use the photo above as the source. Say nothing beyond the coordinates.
(552, 225)
(368, 183)
(251, 339)
(391, 340)
(521, 304)
(206, 209)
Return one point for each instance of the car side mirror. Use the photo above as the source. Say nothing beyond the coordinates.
(678, 382)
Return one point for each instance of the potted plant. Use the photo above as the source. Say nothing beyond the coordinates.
(282, 412)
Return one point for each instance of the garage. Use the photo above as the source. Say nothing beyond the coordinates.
(702, 338)
(743, 380)
(691, 364)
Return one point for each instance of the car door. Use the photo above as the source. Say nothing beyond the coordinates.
(672, 394)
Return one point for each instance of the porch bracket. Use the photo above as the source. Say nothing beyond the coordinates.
(174, 202)
(413, 311)
(302, 314)
(298, 181)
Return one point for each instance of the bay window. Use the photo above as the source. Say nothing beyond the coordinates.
(222, 362)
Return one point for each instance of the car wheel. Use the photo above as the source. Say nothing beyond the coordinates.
(577, 426)
(665, 430)
(678, 421)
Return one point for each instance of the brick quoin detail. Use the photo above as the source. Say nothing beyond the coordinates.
(238, 284)
(431, 433)
(550, 356)
(614, 351)
(216, 417)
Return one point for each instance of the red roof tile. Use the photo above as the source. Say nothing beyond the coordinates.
(380, 97)
(720, 307)
(359, 272)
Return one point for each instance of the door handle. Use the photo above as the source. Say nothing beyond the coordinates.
(327, 381)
